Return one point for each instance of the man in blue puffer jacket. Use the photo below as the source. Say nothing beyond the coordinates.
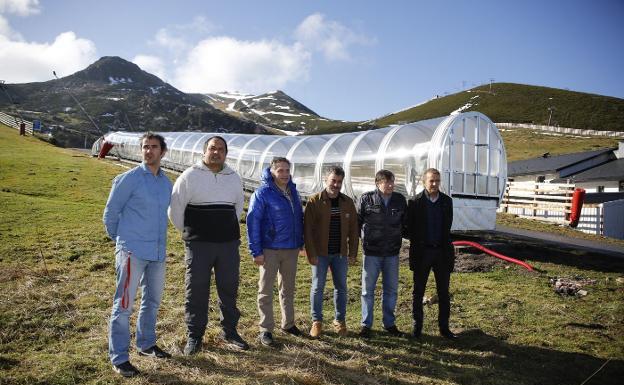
(275, 234)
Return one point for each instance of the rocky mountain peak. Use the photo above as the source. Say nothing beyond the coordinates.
(115, 70)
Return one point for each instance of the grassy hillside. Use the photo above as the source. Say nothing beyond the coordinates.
(519, 103)
(56, 285)
(520, 143)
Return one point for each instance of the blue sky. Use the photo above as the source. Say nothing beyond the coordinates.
(351, 60)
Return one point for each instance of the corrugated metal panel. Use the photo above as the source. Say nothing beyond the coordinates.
(474, 214)
(614, 219)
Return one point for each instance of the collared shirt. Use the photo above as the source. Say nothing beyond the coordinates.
(434, 216)
(432, 200)
(135, 215)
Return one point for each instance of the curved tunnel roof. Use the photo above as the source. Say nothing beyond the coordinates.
(467, 148)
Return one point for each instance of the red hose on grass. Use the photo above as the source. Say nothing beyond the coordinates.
(493, 253)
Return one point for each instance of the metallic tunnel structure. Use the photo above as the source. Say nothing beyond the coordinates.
(467, 149)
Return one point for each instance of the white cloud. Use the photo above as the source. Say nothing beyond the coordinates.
(329, 37)
(223, 63)
(166, 39)
(7, 31)
(151, 64)
(199, 25)
(19, 7)
(24, 61)
(29, 62)
(179, 37)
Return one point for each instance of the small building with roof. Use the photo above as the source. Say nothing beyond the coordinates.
(597, 171)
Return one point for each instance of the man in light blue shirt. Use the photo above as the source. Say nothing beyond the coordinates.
(136, 218)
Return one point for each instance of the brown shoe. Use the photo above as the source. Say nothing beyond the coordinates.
(340, 327)
(317, 329)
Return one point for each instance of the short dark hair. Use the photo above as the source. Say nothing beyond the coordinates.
(336, 170)
(279, 159)
(383, 175)
(151, 135)
(215, 137)
(430, 171)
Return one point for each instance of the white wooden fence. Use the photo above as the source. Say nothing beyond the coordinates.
(544, 201)
(551, 202)
(14, 122)
(562, 130)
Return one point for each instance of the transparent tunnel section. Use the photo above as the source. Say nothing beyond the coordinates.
(467, 149)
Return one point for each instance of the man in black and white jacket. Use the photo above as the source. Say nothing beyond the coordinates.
(206, 204)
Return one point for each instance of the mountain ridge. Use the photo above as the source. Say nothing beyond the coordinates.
(521, 103)
(119, 95)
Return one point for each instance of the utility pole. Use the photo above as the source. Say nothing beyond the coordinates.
(83, 110)
(550, 110)
(491, 80)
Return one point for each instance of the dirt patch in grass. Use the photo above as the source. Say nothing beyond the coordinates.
(472, 260)
(466, 262)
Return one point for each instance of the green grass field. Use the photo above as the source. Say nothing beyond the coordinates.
(56, 285)
(520, 143)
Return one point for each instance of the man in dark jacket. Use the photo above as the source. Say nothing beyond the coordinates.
(381, 216)
(275, 234)
(429, 220)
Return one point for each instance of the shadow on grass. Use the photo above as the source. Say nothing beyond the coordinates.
(478, 358)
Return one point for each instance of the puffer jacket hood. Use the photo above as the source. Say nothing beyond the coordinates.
(272, 221)
(267, 179)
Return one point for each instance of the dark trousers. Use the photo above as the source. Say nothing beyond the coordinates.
(432, 259)
(201, 258)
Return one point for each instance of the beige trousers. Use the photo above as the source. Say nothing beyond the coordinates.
(283, 264)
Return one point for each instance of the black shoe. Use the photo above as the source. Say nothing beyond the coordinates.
(447, 333)
(154, 351)
(233, 340)
(294, 331)
(417, 333)
(393, 331)
(266, 339)
(193, 346)
(365, 332)
(126, 369)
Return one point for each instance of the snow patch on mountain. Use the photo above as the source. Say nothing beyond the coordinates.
(114, 80)
(462, 108)
(155, 90)
(232, 95)
(281, 113)
(290, 133)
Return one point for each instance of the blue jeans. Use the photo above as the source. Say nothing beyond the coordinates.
(389, 268)
(132, 271)
(339, 266)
